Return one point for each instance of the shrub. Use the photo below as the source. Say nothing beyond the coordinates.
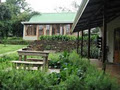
(54, 60)
(9, 57)
(58, 38)
(76, 73)
(66, 38)
(73, 82)
(96, 80)
(16, 42)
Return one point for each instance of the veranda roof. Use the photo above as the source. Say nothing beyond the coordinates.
(52, 18)
(90, 13)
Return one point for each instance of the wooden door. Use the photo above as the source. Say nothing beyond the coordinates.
(117, 46)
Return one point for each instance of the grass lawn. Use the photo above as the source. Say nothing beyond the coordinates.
(9, 48)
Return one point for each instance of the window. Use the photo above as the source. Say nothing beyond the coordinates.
(58, 29)
(67, 28)
(31, 30)
(40, 29)
(47, 29)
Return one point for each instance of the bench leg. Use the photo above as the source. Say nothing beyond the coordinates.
(14, 65)
(39, 67)
(25, 58)
(45, 63)
(20, 57)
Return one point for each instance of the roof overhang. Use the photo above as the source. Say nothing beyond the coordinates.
(90, 14)
(46, 23)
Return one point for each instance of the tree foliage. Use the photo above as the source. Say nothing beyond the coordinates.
(5, 16)
(12, 13)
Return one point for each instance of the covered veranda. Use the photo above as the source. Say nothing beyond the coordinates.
(96, 13)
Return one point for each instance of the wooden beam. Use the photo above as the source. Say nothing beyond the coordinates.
(104, 52)
(64, 29)
(37, 31)
(82, 44)
(89, 43)
(44, 29)
(50, 32)
(24, 31)
(78, 42)
(95, 2)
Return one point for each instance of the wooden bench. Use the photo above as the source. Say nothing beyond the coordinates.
(35, 59)
(28, 64)
(35, 62)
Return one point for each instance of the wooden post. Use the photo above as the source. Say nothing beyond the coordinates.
(50, 30)
(33, 26)
(24, 31)
(20, 57)
(44, 29)
(45, 63)
(64, 30)
(25, 57)
(82, 44)
(37, 31)
(89, 43)
(70, 29)
(78, 42)
(60, 29)
(104, 52)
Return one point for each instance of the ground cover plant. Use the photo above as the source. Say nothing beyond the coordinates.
(76, 73)
(9, 48)
(14, 41)
(66, 38)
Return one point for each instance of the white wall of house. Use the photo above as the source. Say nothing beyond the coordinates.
(110, 37)
(30, 37)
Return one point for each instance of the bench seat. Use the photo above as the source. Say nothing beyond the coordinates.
(35, 59)
(27, 63)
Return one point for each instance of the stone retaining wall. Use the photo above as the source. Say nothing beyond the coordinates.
(53, 45)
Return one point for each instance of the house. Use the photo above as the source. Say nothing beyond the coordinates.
(48, 24)
(106, 15)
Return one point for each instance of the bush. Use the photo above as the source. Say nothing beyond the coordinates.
(54, 60)
(16, 42)
(76, 73)
(10, 57)
(58, 38)
(66, 38)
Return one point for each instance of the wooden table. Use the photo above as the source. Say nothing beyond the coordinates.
(26, 53)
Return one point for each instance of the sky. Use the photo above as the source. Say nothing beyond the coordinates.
(50, 5)
(47, 6)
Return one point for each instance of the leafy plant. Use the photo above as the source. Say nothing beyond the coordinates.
(76, 73)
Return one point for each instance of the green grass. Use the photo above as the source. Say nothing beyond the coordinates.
(10, 48)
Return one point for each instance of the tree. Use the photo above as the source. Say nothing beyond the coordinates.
(5, 23)
(12, 13)
(20, 12)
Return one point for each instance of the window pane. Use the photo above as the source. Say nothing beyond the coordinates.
(40, 29)
(47, 29)
(31, 30)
